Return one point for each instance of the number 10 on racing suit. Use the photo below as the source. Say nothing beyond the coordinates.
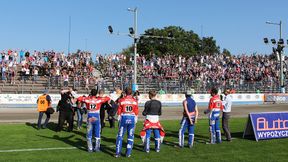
(127, 116)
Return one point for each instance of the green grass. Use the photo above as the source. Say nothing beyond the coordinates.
(25, 136)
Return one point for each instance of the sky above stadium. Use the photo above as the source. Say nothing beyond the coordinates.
(238, 26)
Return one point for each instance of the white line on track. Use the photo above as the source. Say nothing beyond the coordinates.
(39, 149)
(62, 148)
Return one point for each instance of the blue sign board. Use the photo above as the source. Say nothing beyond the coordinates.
(267, 125)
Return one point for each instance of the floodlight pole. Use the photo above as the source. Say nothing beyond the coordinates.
(135, 37)
(280, 55)
(281, 63)
(69, 35)
(133, 34)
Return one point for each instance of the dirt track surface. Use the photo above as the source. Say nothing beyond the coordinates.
(23, 115)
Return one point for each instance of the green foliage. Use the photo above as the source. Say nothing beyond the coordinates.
(209, 46)
(226, 52)
(186, 43)
(128, 52)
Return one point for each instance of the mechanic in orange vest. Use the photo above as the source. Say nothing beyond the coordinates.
(43, 103)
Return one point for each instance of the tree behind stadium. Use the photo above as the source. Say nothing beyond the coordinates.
(185, 43)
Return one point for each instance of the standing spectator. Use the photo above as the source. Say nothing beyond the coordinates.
(43, 102)
(103, 109)
(21, 55)
(190, 115)
(86, 82)
(3, 72)
(12, 75)
(35, 74)
(57, 76)
(113, 107)
(27, 73)
(66, 110)
(214, 108)
(111, 111)
(80, 110)
(152, 111)
(227, 103)
(23, 71)
(65, 79)
(76, 83)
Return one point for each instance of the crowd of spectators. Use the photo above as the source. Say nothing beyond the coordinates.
(199, 71)
(58, 68)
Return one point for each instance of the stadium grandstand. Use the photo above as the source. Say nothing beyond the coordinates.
(30, 72)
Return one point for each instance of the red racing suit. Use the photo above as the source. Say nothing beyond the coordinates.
(150, 125)
(93, 105)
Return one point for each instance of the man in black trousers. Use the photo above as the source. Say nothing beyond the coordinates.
(227, 103)
(111, 109)
(66, 110)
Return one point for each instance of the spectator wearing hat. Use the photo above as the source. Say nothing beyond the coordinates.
(190, 115)
(227, 103)
(43, 103)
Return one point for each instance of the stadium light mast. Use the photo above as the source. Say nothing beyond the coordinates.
(280, 54)
(69, 35)
(133, 34)
(280, 27)
(135, 37)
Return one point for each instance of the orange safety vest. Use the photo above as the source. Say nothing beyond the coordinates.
(42, 103)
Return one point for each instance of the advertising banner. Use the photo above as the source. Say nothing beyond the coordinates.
(267, 125)
(276, 98)
(167, 99)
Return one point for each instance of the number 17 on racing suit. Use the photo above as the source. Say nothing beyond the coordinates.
(127, 116)
(214, 109)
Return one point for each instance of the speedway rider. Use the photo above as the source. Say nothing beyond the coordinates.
(214, 108)
(93, 105)
(189, 119)
(127, 117)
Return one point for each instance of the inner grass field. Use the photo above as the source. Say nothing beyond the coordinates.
(18, 137)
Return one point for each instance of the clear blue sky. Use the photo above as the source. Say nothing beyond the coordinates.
(236, 25)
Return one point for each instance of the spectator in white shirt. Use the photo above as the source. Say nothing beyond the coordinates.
(227, 103)
(27, 73)
(35, 75)
(66, 79)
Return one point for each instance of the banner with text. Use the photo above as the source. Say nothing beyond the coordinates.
(268, 125)
(25, 99)
(276, 98)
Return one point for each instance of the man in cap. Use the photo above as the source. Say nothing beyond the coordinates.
(190, 115)
(43, 103)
